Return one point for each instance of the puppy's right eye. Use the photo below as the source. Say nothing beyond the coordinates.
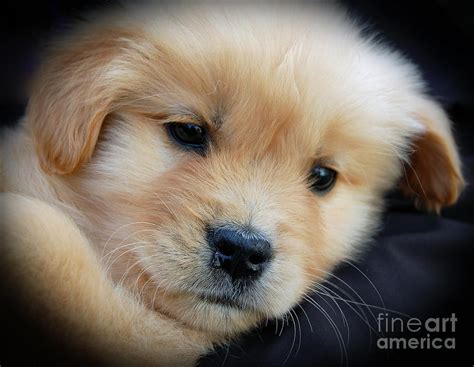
(188, 135)
(322, 179)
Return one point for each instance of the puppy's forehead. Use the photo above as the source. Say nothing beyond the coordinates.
(245, 88)
(262, 78)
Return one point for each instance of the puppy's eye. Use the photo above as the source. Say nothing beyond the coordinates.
(188, 135)
(322, 179)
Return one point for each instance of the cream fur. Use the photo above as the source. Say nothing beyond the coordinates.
(103, 230)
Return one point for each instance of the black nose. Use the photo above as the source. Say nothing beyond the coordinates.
(242, 254)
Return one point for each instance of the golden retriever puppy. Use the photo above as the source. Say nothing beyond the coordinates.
(182, 174)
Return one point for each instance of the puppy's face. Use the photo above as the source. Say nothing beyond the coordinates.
(226, 163)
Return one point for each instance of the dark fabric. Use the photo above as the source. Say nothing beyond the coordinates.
(419, 265)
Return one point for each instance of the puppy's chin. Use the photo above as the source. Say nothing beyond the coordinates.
(221, 316)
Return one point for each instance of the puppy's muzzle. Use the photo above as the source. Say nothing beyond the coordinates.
(241, 254)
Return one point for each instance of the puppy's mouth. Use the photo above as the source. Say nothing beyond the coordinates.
(223, 300)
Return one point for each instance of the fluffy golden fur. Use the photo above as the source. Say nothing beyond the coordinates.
(105, 216)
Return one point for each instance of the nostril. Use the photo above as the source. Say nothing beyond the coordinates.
(256, 259)
(226, 248)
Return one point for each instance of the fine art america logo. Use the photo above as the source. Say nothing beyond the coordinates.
(414, 333)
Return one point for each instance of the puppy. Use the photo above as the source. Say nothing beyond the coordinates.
(182, 174)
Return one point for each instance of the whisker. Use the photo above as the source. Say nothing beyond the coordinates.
(119, 246)
(362, 313)
(307, 318)
(352, 290)
(376, 307)
(368, 279)
(343, 316)
(144, 270)
(138, 245)
(342, 347)
(299, 332)
(294, 338)
(116, 231)
(124, 275)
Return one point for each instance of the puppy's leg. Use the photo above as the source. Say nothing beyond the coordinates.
(50, 266)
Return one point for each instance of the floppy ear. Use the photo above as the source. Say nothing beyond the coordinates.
(71, 97)
(433, 174)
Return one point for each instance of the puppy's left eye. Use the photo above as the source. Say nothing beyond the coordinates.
(322, 179)
(188, 135)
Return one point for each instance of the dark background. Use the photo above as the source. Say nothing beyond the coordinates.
(421, 264)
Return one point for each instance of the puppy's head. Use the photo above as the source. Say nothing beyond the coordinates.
(228, 159)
